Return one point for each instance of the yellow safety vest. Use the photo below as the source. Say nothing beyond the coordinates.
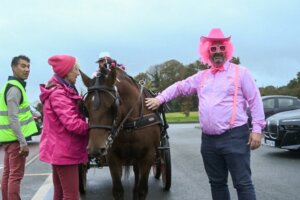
(28, 126)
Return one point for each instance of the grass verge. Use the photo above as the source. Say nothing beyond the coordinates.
(179, 117)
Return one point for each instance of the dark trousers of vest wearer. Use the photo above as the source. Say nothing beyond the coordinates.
(13, 171)
(225, 153)
(66, 182)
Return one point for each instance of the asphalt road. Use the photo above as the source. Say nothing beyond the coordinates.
(275, 174)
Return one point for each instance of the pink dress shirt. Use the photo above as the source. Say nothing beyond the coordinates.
(216, 93)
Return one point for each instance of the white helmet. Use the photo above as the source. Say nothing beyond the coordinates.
(104, 54)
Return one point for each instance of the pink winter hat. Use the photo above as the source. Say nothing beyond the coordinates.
(62, 64)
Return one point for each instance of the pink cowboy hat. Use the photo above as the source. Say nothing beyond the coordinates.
(215, 34)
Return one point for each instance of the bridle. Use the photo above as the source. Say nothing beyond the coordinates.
(113, 129)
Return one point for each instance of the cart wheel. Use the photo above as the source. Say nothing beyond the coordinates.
(166, 166)
(82, 170)
(156, 167)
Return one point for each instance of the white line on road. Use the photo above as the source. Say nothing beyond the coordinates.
(42, 192)
(32, 159)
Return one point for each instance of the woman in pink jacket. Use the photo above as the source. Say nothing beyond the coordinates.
(65, 131)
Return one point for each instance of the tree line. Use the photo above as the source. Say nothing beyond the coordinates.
(158, 77)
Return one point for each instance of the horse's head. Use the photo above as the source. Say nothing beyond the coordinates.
(101, 104)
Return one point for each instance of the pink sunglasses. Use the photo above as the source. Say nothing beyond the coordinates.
(214, 48)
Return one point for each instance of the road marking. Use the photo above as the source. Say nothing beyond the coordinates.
(44, 189)
(32, 159)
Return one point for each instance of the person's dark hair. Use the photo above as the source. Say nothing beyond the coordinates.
(16, 59)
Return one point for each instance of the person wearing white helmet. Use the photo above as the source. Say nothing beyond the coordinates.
(105, 60)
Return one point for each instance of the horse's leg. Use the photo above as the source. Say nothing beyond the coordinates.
(136, 181)
(144, 170)
(143, 182)
(115, 167)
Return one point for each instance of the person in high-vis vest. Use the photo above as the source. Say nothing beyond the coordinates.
(16, 124)
(224, 91)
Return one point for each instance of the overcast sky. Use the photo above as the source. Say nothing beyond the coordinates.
(142, 33)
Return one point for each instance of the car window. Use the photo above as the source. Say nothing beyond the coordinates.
(285, 102)
(269, 103)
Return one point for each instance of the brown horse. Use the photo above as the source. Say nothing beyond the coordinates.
(122, 129)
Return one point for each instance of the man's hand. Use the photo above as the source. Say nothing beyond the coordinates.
(152, 103)
(24, 151)
(254, 140)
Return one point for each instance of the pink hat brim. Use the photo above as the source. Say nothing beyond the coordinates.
(203, 39)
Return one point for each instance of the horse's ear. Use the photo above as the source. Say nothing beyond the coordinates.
(86, 80)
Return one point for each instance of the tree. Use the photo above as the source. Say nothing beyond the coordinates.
(291, 89)
(187, 105)
(235, 60)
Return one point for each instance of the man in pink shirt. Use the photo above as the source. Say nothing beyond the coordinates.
(224, 91)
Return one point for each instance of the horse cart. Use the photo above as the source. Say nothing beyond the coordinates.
(120, 99)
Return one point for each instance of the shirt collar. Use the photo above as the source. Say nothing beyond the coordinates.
(23, 83)
(64, 82)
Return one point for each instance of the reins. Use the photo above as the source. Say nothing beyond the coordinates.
(115, 128)
(115, 133)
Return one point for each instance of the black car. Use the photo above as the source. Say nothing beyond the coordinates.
(283, 130)
(275, 104)
(279, 103)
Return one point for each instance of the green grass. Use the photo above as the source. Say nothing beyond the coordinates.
(179, 117)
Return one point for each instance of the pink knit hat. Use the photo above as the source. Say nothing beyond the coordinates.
(62, 64)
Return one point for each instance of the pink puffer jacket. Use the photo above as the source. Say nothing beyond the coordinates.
(65, 131)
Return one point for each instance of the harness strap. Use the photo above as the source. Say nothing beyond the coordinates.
(116, 131)
(146, 120)
(91, 126)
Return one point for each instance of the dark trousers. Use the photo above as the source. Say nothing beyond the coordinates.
(66, 182)
(225, 153)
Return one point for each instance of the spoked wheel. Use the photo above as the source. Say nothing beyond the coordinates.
(156, 167)
(82, 170)
(165, 165)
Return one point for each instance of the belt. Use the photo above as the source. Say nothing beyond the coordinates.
(245, 126)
